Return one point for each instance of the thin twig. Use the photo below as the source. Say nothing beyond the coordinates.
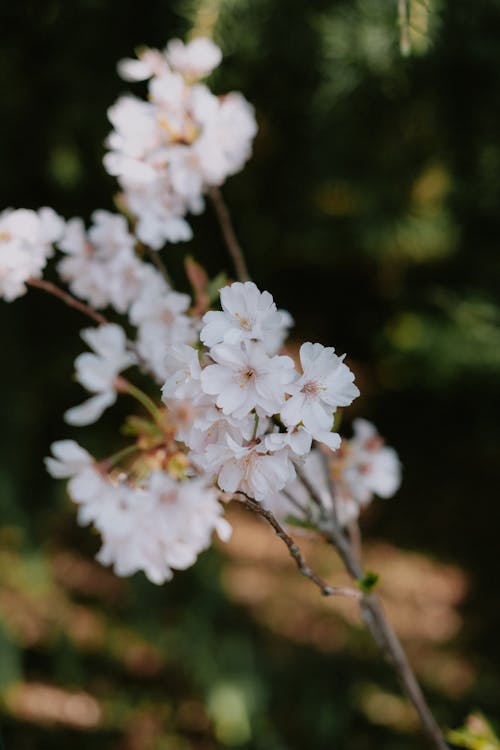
(355, 538)
(229, 234)
(294, 550)
(375, 619)
(68, 299)
(305, 511)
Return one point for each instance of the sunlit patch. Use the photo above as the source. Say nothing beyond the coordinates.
(42, 703)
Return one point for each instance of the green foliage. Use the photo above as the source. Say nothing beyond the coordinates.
(477, 734)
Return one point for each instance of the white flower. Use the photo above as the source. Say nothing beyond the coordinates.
(101, 267)
(97, 372)
(326, 383)
(298, 439)
(245, 378)
(69, 459)
(365, 466)
(194, 60)
(246, 313)
(160, 527)
(26, 239)
(167, 151)
(160, 316)
(209, 425)
(225, 143)
(150, 62)
(87, 487)
(135, 134)
(250, 469)
(182, 364)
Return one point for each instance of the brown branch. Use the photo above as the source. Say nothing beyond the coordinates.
(375, 619)
(229, 234)
(325, 588)
(68, 299)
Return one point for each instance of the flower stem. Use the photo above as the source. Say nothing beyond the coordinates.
(115, 458)
(125, 386)
(374, 617)
(325, 588)
(68, 299)
(229, 234)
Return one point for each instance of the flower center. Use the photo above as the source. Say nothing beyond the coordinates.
(246, 376)
(310, 388)
(167, 317)
(168, 498)
(244, 322)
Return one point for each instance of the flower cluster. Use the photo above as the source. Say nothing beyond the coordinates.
(238, 414)
(252, 414)
(101, 265)
(362, 468)
(26, 239)
(167, 151)
(154, 526)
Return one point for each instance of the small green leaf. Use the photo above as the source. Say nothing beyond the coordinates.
(368, 583)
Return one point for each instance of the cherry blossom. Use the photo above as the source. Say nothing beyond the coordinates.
(326, 383)
(167, 151)
(249, 469)
(97, 371)
(101, 266)
(246, 313)
(26, 239)
(365, 467)
(245, 378)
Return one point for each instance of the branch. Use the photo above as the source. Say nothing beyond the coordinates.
(374, 617)
(295, 552)
(229, 234)
(68, 299)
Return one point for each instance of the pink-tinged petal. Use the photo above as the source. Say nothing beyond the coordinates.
(315, 417)
(232, 356)
(230, 476)
(94, 373)
(308, 353)
(69, 459)
(216, 326)
(90, 411)
(215, 378)
(300, 441)
(331, 439)
(291, 413)
(235, 400)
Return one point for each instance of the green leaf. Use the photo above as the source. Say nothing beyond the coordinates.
(368, 583)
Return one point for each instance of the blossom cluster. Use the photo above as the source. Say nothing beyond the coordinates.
(237, 414)
(26, 243)
(167, 151)
(155, 526)
(252, 414)
(345, 480)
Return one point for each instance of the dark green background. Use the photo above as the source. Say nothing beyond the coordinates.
(371, 211)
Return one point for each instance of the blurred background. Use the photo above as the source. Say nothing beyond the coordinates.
(371, 211)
